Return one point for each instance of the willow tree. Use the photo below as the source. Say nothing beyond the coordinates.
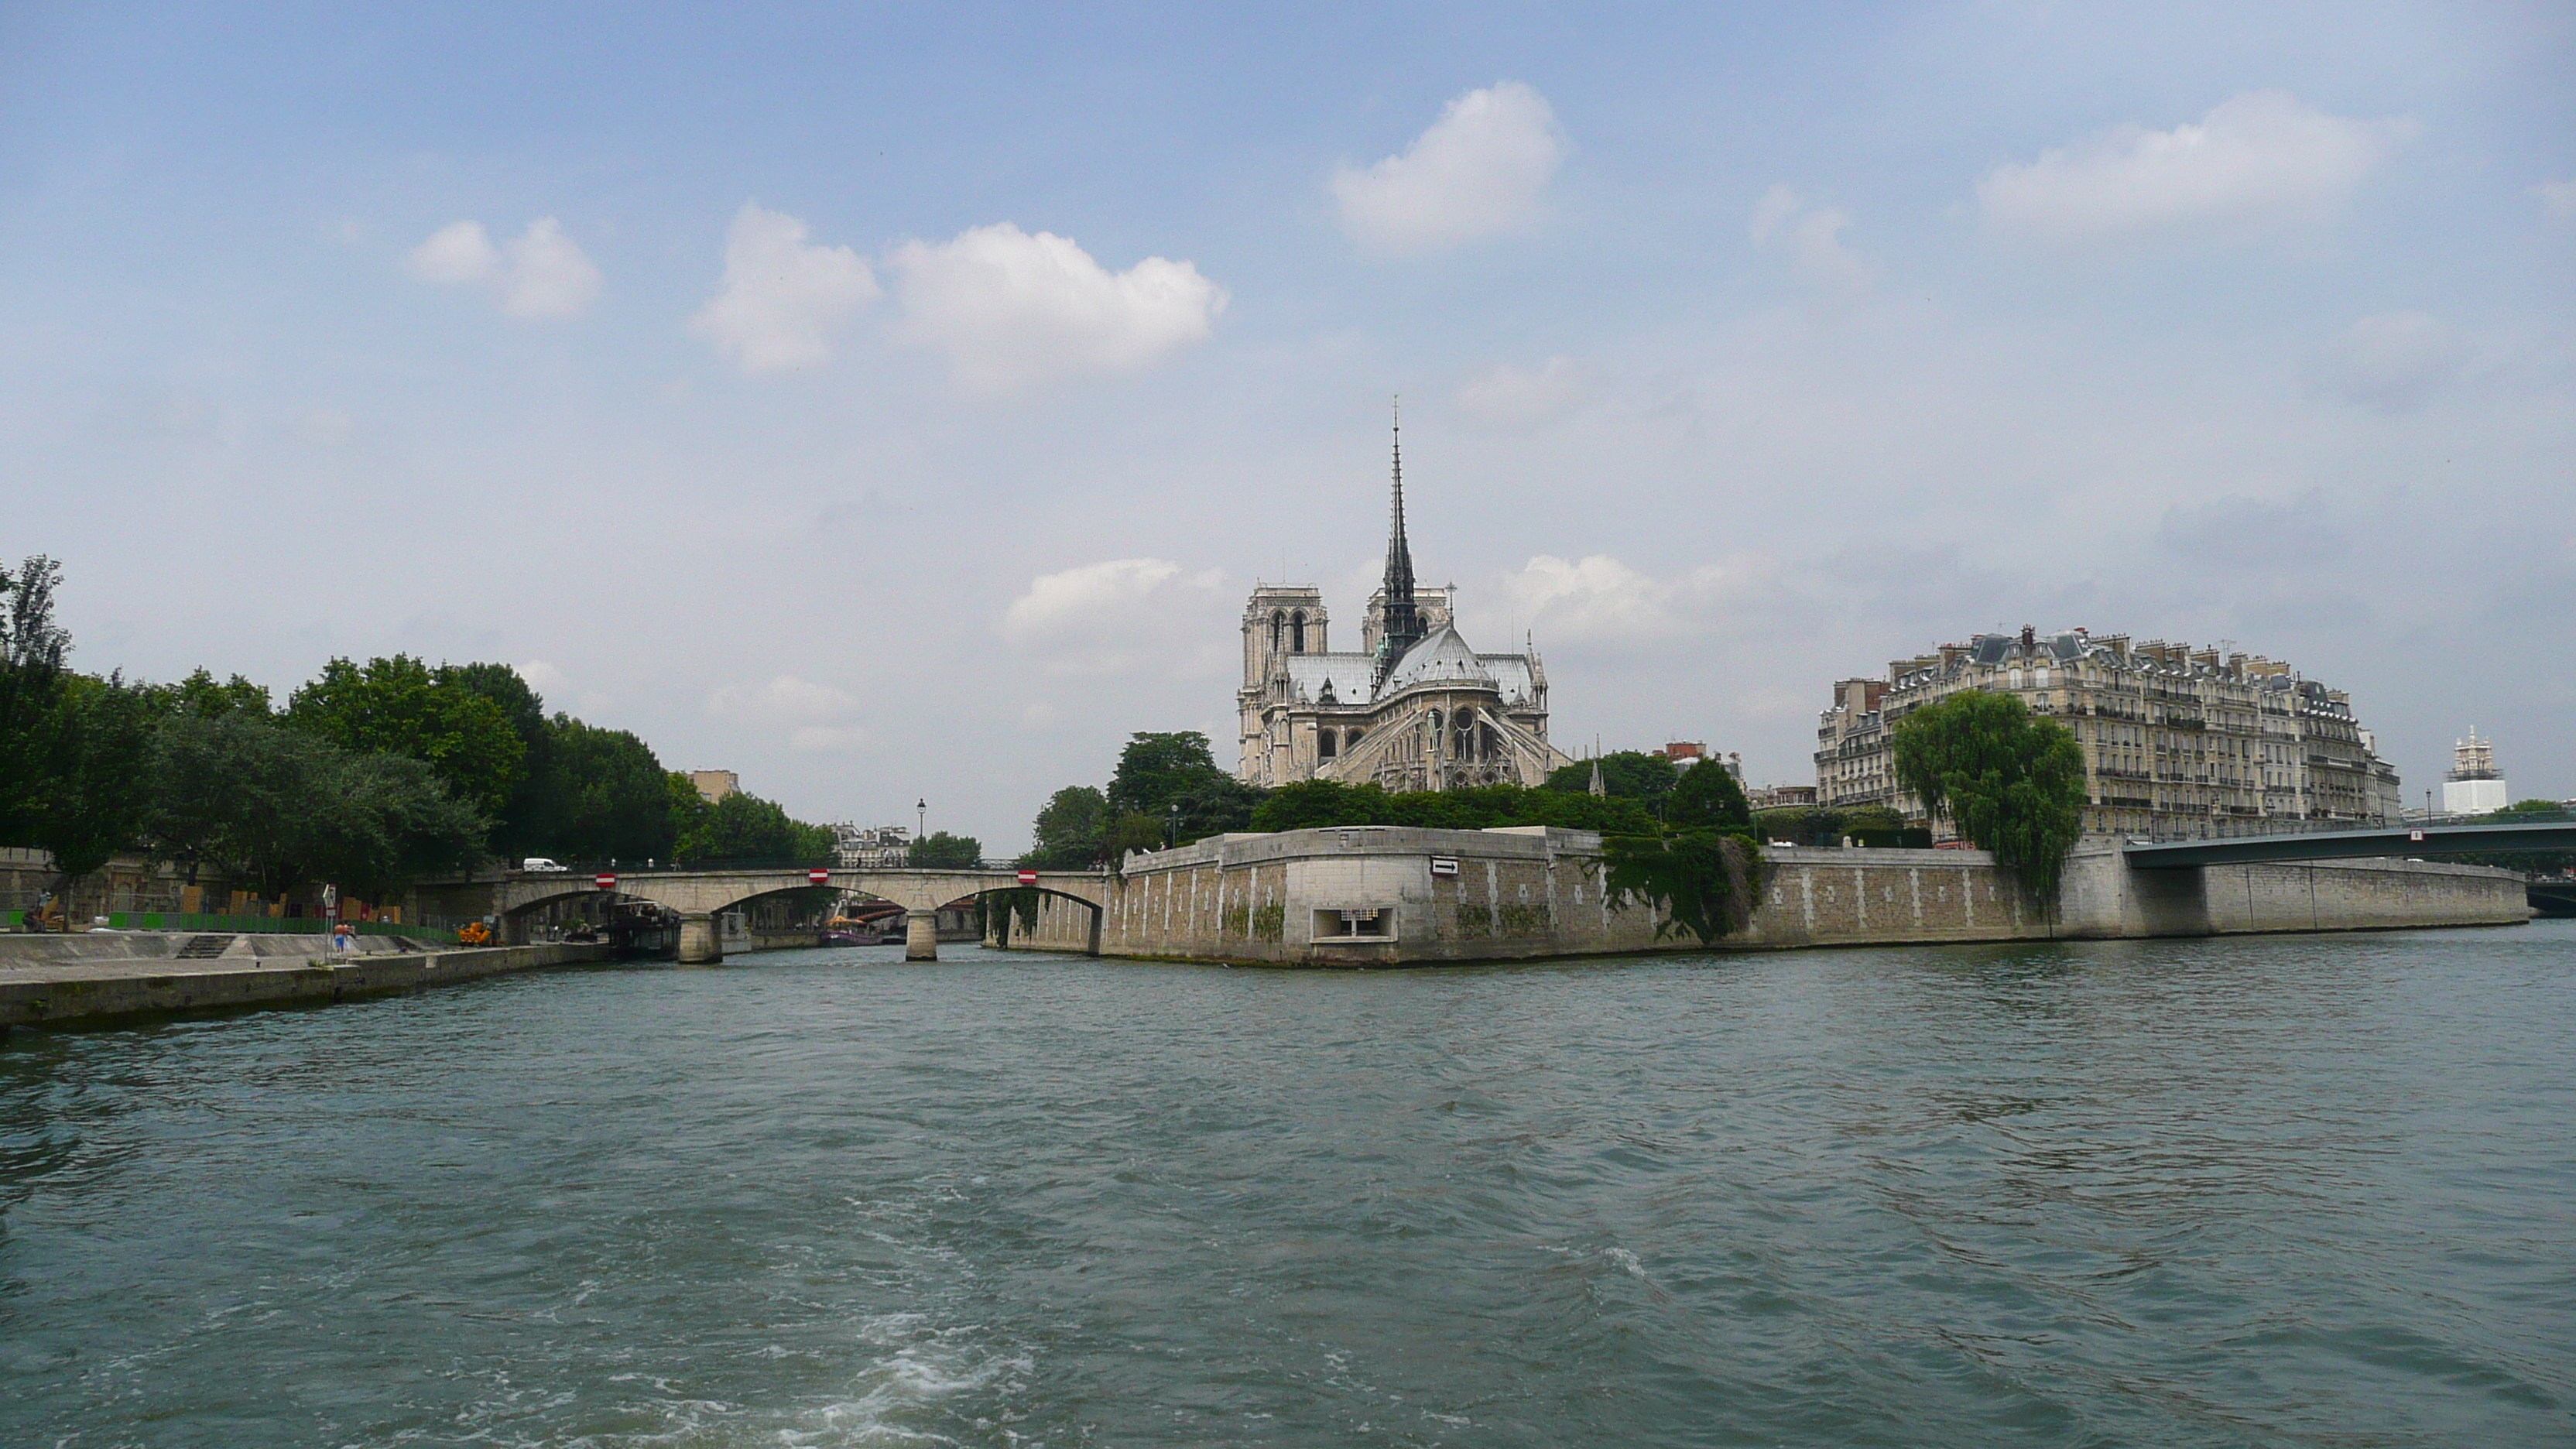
(2012, 783)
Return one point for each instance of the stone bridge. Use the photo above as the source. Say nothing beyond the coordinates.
(698, 896)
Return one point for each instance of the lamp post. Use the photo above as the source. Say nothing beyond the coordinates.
(920, 817)
(1172, 830)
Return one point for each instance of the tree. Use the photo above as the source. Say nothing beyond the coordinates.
(748, 828)
(2012, 783)
(32, 648)
(1322, 804)
(402, 707)
(1625, 775)
(940, 850)
(599, 794)
(279, 808)
(1066, 834)
(515, 822)
(1156, 769)
(1129, 833)
(94, 790)
(200, 696)
(1707, 798)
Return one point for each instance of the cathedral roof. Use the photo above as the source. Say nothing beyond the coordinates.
(1443, 658)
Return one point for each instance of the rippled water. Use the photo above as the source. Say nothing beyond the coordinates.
(2260, 1191)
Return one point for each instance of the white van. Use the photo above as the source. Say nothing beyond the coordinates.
(539, 862)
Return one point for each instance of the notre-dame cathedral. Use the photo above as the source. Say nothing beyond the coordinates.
(1416, 708)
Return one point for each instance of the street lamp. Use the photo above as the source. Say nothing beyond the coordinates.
(1172, 831)
(920, 817)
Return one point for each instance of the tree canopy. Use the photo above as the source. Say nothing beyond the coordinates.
(401, 706)
(2011, 782)
(1067, 833)
(1321, 804)
(940, 850)
(1625, 775)
(747, 828)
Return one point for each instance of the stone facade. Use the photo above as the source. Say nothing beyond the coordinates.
(1414, 708)
(1386, 896)
(2179, 743)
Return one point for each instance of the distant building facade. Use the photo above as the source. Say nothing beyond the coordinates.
(1414, 708)
(2179, 743)
(2474, 786)
(871, 847)
(714, 785)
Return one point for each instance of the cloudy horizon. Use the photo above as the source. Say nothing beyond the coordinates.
(894, 405)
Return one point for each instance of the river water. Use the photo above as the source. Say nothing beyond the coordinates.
(2284, 1190)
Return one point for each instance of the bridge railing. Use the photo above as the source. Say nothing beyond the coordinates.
(2241, 827)
(624, 868)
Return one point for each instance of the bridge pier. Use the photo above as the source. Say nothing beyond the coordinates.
(701, 940)
(921, 935)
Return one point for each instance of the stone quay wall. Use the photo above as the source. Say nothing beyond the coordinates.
(1536, 892)
(89, 987)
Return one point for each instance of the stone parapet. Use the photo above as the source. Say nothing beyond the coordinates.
(100, 991)
(1383, 896)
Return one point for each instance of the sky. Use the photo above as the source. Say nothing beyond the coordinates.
(896, 404)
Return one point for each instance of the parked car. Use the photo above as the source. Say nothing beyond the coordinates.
(539, 862)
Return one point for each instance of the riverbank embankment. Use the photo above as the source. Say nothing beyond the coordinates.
(1391, 895)
(99, 978)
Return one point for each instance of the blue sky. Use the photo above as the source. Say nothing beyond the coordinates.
(896, 403)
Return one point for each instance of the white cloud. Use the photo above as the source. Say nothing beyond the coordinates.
(785, 699)
(1118, 615)
(1010, 309)
(543, 677)
(458, 252)
(1476, 173)
(540, 273)
(2391, 363)
(1813, 237)
(781, 299)
(2258, 159)
(1592, 598)
(829, 739)
(1521, 400)
(2558, 198)
(1601, 602)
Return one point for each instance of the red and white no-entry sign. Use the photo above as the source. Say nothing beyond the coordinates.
(1028, 877)
(819, 876)
(604, 881)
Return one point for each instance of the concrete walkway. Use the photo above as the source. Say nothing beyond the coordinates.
(85, 981)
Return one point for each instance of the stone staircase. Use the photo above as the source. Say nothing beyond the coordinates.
(203, 948)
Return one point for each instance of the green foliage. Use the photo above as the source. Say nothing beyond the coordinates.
(1699, 879)
(2531, 807)
(402, 707)
(2012, 783)
(1067, 832)
(1625, 774)
(200, 697)
(93, 792)
(279, 808)
(940, 850)
(518, 824)
(599, 794)
(32, 647)
(1171, 779)
(1322, 804)
(1130, 833)
(1811, 825)
(1707, 798)
(688, 808)
(748, 828)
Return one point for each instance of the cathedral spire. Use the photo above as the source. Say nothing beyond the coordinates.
(1402, 627)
